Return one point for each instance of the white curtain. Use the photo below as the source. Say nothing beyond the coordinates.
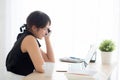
(2, 38)
(76, 24)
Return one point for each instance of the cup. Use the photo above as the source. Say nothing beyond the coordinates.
(48, 68)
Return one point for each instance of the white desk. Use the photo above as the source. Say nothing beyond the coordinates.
(103, 73)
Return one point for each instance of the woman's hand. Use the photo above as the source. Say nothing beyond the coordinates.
(48, 33)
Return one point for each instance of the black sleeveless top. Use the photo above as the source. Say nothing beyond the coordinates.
(18, 62)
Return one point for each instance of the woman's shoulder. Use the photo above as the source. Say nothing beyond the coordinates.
(29, 38)
(24, 34)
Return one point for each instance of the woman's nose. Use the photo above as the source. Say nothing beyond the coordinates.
(46, 33)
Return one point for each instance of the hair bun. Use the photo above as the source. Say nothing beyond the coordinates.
(23, 27)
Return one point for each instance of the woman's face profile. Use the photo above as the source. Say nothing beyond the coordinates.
(41, 32)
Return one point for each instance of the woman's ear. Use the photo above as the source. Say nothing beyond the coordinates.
(34, 28)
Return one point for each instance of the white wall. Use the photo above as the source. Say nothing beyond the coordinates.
(2, 38)
(75, 24)
(2, 30)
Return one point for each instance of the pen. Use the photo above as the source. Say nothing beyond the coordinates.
(61, 71)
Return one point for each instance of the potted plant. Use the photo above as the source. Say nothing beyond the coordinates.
(106, 47)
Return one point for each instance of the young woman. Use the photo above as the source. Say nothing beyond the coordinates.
(26, 54)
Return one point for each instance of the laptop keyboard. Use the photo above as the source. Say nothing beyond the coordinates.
(71, 59)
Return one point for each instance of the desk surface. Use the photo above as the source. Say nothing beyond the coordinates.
(103, 72)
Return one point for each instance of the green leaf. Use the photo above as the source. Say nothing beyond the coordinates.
(107, 46)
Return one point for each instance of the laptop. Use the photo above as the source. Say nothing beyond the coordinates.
(78, 64)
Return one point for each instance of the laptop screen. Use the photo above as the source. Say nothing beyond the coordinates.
(90, 54)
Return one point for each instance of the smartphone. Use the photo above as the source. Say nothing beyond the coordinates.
(48, 31)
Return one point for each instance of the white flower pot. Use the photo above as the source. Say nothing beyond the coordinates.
(106, 57)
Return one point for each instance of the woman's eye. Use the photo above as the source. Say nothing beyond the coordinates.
(44, 29)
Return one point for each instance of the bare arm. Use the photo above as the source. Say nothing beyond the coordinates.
(49, 55)
(30, 45)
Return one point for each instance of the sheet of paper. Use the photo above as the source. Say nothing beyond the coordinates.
(83, 72)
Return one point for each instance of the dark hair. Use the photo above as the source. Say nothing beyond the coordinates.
(37, 18)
